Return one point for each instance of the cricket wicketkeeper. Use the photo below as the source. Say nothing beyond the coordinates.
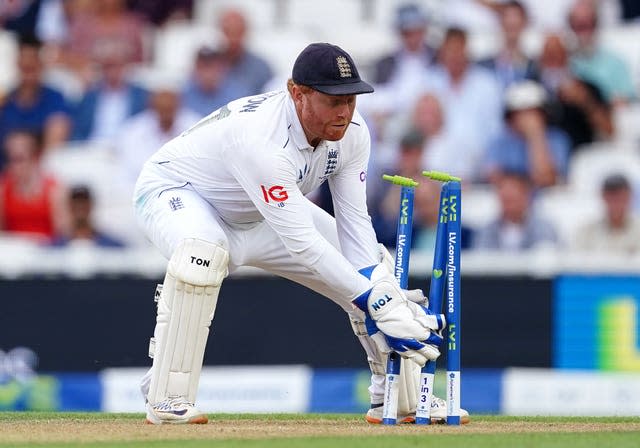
(230, 191)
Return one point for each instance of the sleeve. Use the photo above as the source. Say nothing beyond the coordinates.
(622, 85)
(57, 104)
(492, 155)
(269, 179)
(348, 189)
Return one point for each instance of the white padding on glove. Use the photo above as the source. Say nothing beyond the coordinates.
(394, 315)
(406, 326)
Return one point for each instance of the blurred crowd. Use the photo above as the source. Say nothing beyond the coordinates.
(510, 123)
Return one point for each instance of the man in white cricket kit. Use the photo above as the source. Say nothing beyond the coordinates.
(230, 191)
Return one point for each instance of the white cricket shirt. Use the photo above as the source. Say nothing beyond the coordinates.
(251, 161)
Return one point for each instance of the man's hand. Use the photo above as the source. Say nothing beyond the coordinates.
(396, 323)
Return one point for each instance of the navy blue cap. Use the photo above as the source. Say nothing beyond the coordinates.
(328, 69)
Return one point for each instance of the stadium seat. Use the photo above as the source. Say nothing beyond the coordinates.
(8, 53)
(479, 205)
(325, 15)
(566, 209)
(175, 46)
(624, 40)
(280, 47)
(93, 165)
(591, 164)
(365, 44)
(626, 120)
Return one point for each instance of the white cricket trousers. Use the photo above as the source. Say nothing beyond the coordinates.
(171, 215)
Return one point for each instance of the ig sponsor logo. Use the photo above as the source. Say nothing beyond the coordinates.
(276, 193)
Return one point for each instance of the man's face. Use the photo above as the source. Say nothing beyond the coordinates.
(166, 104)
(453, 55)
(583, 22)
(427, 115)
(617, 203)
(413, 38)
(324, 117)
(21, 155)
(513, 23)
(29, 65)
(513, 194)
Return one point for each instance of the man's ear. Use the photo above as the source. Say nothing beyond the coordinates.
(297, 93)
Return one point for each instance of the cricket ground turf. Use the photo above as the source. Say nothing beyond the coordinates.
(53, 429)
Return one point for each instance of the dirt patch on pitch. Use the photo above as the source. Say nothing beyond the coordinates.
(79, 431)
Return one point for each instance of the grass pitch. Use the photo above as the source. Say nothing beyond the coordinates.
(34, 429)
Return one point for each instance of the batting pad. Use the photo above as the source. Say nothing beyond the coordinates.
(409, 371)
(375, 357)
(185, 310)
(408, 390)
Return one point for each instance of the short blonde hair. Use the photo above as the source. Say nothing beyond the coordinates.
(303, 88)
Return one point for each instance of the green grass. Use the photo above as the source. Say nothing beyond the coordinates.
(328, 431)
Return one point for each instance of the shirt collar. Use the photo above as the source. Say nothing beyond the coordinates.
(295, 127)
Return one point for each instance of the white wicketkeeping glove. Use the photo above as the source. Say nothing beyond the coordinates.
(405, 327)
(417, 296)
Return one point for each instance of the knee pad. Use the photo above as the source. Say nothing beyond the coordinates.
(186, 305)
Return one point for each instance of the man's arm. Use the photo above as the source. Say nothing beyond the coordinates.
(348, 189)
(269, 180)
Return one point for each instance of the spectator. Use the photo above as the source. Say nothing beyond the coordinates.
(517, 228)
(210, 86)
(399, 75)
(596, 64)
(576, 106)
(427, 208)
(54, 22)
(110, 101)
(583, 113)
(142, 134)
(385, 211)
(511, 64)
(107, 21)
(160, 12)
(426, 214)
(617, 231)
(528, 144)
(31, 201)
(81, 229)
(414, 55)
(33, 105)
(552, 67)
(19, 16)
(249, 70)
(443, 151)
(470, 95)
(551, 16)
(385, 206)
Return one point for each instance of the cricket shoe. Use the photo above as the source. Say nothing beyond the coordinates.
(438, 413)
(374, 415)
(174, 410)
